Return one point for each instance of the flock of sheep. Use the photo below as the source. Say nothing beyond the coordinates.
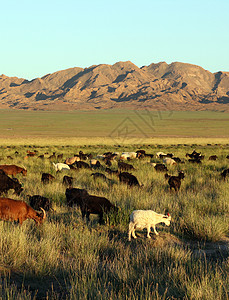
(91, 204)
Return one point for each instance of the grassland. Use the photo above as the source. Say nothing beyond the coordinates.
(114, 125)
(66, 258)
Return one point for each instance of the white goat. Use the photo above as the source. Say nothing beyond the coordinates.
(140, 219)
(100, 156)
(61, 166)
(160, 153)
(126, 155)
(93, 161)
(169, 161)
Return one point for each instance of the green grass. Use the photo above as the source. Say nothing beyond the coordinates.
(66, 258)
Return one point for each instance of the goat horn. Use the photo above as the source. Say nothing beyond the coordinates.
(44, 216)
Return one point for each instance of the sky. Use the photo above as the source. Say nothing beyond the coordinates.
(45, 36)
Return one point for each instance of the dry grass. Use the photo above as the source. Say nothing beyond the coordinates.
(69, 259)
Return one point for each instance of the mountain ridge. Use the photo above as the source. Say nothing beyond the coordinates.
(175, 86)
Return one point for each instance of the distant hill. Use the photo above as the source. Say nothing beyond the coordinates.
(175, 86)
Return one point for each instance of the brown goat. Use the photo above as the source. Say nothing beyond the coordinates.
(16, 210)
(13, 170)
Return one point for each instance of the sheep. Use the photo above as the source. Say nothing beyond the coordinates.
(60, 166)
(169, 161)
(175, 181)
(140, 219)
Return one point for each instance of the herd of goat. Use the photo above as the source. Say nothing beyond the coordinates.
(16, 210)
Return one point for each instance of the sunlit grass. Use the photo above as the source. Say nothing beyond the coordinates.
(66, 258)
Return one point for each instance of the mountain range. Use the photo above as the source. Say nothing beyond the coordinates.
(175, 86)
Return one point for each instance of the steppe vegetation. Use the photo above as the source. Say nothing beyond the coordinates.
(94, 126)
(66, 258)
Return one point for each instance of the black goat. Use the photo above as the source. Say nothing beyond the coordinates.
(107, 162)
(89, 204)
(124, 166)
(109, 171)
(213, 157)
(96, 205)
(195, 161)
(68, 180)
(37, 201)
(7, 183)
(175, 181)
(160, 168)
(177, 159)
(75, 196)
(129, 179)
(100, 175)
(81, 165)
(46, 178)
(225, 173)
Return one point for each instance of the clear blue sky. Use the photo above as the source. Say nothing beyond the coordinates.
(41, 37)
